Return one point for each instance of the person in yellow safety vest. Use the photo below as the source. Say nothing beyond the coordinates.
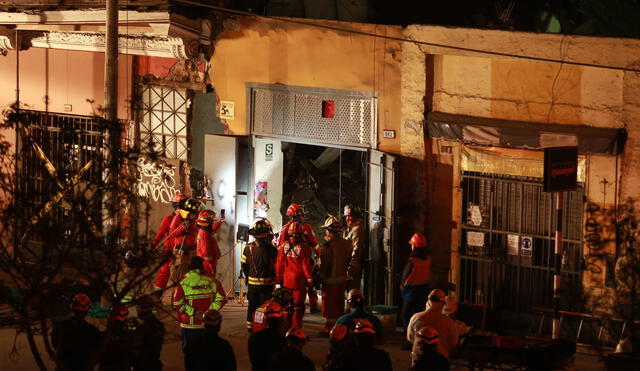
(195, 294)
(356, 236)
(259, 266)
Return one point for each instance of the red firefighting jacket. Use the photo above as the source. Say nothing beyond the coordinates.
(208, 250)
(163, 231)
(308, 234)
(196, 294)
(294, 267)
(182, 235)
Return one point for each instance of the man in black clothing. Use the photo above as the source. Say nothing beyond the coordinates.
(75, 340)
(429, 359)
(265, 343)
(118, 355)
(210, 351)
(258, 265)
(148, 337)
(364, 355)
(291, 358)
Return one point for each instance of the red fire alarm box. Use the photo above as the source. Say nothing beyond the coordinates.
(328, 108)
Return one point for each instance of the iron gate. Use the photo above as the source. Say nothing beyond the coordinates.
(507, 243)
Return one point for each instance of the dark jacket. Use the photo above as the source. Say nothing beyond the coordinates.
(365, 359)
(432, 361)
(290, 359)
(118, 355)
(210, 352)
(262, 346)
(147, 344)
(349, 320)
(259, 262)
(75, 340)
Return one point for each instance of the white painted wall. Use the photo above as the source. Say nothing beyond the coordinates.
(272, 173)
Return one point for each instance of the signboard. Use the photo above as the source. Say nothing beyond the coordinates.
(475, 216)
(513, 244)
(560, 169)
(526, 246)
(475, 239)
(268, 152)
(227, 110)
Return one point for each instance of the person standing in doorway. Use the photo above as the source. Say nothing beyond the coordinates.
(335, 256)
(259, 266)
(356, 236)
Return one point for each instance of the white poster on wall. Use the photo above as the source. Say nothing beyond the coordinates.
(513, 244)
(475, 238)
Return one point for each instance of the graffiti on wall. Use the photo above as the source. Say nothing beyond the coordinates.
(156, 181)
(594, 239)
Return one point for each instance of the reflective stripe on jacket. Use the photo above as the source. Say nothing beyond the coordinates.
(196, 294)
(259, 262)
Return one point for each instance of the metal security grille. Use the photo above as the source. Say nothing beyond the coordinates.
(498, 265)
(297, 112)
(163, 120)
(69, 142)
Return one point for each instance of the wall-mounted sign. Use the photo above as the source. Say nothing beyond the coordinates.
(226, 110)
(513, 244)
(268, 152)
(526, 246)
(475, 215)
(560, 169)
(475, 238)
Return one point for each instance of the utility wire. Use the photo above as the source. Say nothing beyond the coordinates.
(418, 42)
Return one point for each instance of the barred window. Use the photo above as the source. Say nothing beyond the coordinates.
(163, 120)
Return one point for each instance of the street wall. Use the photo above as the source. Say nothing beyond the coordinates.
(278, 52)
(468, 83)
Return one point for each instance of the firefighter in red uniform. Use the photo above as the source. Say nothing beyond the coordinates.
(415, 278)
(296, 214)
(207, 246)
(163, 236)
(293, 269)
(259, 266)
(182, 239)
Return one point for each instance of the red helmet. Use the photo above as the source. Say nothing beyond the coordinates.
(273, 310)
(121, 313)
(296, 332)
(80, 302)
(205, 217)
(295, 228)
(294, 209)
(418, 240)
(364, 326)
(428, 335)
(179, 197)
(338, 333)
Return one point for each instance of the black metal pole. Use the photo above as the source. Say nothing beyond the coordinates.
(558, 266)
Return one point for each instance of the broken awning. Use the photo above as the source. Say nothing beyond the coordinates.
(521, 134)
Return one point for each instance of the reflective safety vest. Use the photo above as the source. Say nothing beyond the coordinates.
(196, 294)
(420, 273)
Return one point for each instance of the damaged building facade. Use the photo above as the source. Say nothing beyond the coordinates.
(257, 113)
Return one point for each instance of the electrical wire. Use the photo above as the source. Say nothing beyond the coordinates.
(393, 38)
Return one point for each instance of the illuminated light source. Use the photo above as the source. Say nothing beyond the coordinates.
(222, 189)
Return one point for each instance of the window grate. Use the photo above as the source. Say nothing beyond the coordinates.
(291, 112)
(163, 120)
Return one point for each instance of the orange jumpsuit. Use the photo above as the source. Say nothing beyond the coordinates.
(293, 270)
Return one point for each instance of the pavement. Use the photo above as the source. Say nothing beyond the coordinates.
(15, 354)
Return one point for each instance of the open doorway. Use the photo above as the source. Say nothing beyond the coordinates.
(322, 180)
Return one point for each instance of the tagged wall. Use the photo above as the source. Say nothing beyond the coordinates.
(267, 51)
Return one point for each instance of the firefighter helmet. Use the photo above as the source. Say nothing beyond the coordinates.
(355, 297)
(418, 240)
(294, 229)
(188, 207)
(364, 326)
(294, 210)
(121, 313)
(273, 310)
(296, 332)
(352, 210)
(261, 229)
(212, 317)
(428, 335)
(333, 224)
(80, 302)
(436, 295)
(338, 333)
(178, 198)
(206, 218)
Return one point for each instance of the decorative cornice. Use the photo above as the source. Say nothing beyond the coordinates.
(168, 47)
(5, 45)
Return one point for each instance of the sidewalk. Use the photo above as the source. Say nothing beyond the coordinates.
(233, 329)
